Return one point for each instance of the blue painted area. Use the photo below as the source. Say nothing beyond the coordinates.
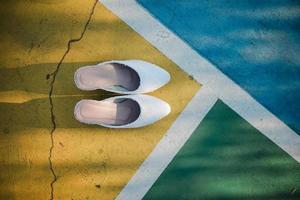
(255, 43)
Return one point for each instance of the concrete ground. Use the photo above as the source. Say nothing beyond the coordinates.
(44, 152)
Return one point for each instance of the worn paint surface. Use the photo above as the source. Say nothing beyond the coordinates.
(46, 154)
(86, 162)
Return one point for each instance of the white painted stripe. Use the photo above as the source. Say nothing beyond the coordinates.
(206, 73)
(169, 145)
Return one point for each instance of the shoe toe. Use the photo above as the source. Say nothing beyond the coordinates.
(77, 111)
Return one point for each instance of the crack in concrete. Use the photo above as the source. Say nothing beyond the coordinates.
(53, 75)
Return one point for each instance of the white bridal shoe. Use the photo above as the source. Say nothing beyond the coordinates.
(130, 111)
(124, 77)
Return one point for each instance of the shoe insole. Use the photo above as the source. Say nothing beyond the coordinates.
(109, 75)
(112, 113)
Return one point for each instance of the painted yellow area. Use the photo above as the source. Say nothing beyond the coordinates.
(91, 162)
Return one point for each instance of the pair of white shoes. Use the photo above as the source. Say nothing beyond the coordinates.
(132, 77)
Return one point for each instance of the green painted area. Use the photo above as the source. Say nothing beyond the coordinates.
(226, 158)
